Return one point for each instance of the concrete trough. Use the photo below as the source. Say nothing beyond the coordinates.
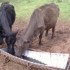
(10, 62)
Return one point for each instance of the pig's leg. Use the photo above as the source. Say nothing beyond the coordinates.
(46, 32)
(53, 30)
(40, 37)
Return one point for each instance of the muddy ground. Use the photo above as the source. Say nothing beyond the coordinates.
(60, 43)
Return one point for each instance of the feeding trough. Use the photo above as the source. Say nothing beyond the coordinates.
(34, 60)
(56, 60)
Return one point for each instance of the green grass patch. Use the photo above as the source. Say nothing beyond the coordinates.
(64, 11)
(24, 8)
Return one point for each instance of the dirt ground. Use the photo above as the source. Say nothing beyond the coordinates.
(60, 43)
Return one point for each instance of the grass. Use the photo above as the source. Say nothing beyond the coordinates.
(24, 8)
(64, 11)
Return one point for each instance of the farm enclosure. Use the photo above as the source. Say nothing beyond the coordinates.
(61, 41)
